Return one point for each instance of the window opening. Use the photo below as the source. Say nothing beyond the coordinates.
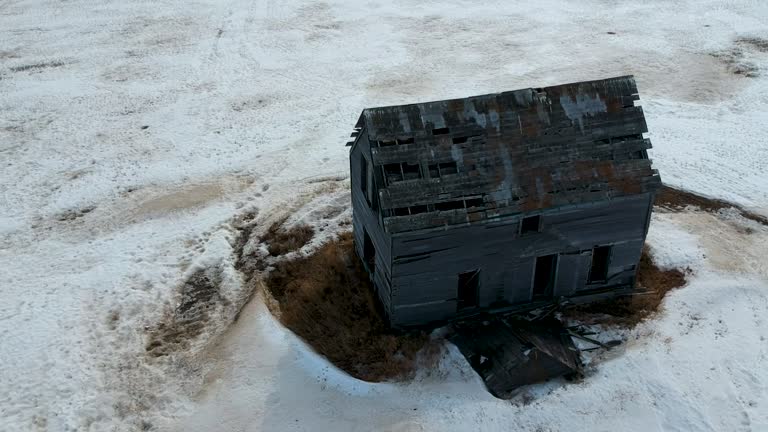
(530, 224)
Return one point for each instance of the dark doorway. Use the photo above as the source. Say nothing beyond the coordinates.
(544, 277)
(469, 289)
(369, 252)
(598, 272)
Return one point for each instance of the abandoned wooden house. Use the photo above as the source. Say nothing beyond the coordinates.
(502, 202)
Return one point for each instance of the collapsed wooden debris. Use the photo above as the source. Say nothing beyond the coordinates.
(509, 353)
(513, 351)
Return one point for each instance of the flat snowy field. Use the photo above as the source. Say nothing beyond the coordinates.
(133, 134)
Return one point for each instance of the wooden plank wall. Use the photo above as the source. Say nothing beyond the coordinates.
(364, 219)
(426, 264)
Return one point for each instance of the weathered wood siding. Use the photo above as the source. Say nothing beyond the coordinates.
(426, 264)
(365, 219)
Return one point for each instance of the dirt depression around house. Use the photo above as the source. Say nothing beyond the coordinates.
(325, 296)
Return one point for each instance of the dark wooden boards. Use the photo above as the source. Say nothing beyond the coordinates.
(516, 151)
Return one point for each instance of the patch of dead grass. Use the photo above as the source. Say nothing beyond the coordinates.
(327, 299)
(281, 240)
(678, 199)
(629, 311)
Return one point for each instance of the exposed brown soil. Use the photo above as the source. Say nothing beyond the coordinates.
(657, 282)
(629, 311)
(198, 294)
(734, 61)
(282, 240)
(678, 199)
(327, 299)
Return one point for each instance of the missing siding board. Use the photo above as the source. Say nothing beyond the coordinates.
(401, 141)
(460, 140)
(419, 209)
(386, 143)
(440, 131)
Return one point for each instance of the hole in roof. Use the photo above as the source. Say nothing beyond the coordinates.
(450, 205)
(393, 173)
(475, 202)
(401, 211)
(433, 171)
(411, 171)
(440, 131)
(448, 168)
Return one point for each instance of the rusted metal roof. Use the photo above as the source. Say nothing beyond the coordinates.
(468, 160)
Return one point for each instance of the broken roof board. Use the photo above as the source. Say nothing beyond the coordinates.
(513, 152)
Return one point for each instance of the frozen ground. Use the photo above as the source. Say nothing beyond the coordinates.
(133, 134)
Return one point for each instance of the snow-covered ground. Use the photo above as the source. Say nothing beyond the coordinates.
(134, 134)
